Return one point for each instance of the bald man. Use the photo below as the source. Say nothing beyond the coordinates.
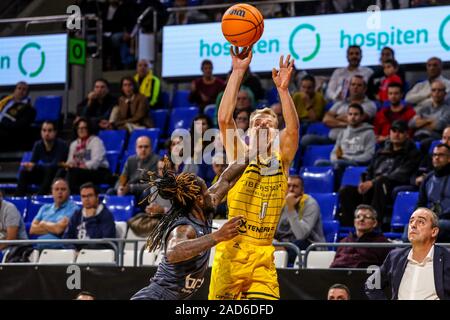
(420, 272)
(144, 160)
(149, 84)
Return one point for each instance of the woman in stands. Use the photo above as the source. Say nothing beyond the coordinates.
(87, 158)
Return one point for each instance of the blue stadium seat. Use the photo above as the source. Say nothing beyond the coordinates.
(122, 207)
(210, 111)
(352, 176)
(272, 96)
(113, 158)
(114, 140)
(331, 230)
(434, 144)
(35, 203)
(181, 99)
(159, 117)
(165, 97)
(316, 152)
(48, 108)
(76, 198)
(404, 205)
(328, 106)
(182, 118)
(328, 203)
(21, 204)
(317, 179)
(152, 133)
(318, 128)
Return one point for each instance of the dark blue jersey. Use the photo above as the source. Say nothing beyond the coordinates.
(177, 281)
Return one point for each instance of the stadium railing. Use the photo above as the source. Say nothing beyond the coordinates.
(316, 245)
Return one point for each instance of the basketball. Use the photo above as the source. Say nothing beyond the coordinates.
(242, 25)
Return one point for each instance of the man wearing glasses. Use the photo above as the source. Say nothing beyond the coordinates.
(435, 190)
(431, 119)
(365, 223)
(421, 92)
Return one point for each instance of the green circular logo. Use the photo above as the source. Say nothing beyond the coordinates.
(444, 44)
(31, 45)
(309, 27)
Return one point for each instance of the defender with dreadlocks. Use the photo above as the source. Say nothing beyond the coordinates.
(244, 267)
(184, 232)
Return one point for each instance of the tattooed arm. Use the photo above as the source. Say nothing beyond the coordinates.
(182, 243)
(226, 181)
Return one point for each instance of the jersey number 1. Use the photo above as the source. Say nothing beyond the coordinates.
(263, 212)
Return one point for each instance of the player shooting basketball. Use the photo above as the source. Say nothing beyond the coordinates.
(243, 266)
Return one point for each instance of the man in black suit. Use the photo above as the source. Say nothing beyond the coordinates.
(418, 273)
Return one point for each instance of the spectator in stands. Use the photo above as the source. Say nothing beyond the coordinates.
(12, 226)
(196, 162)
(397, 110)
(148, 83)
(392, 166)
(85, 295)
(300, 221)
(435, 190)
(373, 86)
(219, 165)
(420, 94)
(121, 19)
(135, 168)
(355, 145)
(242, 119)
(339, 83)
(338, 292)
(252, 82)
(390, 76)
(92, 221)
(87, 158)
(143, 223)
(276, 107)
(421, 272)
(336, 117)
(433, 117)
(425, 167)
(365, 223)
(204, 90)
(186, 17)
(310, 104)
(52, 219)
(132, 111)
(244, 101)
(47, 156)
(98, 105)
(16, 117)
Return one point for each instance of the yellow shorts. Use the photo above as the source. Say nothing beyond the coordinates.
(243, 271)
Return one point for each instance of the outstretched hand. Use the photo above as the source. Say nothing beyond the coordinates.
(282, 77)
(241, 58)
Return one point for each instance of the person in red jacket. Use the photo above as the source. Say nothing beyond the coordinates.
(390, 68)
(397, 110)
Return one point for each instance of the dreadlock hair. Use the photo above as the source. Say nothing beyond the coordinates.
(181, 190)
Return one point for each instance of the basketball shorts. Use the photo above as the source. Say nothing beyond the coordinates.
(243, 271)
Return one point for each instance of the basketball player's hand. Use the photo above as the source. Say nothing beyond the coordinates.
(229, 230)
(282, 77)
(241, 58)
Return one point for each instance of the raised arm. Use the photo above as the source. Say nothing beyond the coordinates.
(289, 136)
(231, 141)
(226, 181)
(183, 244)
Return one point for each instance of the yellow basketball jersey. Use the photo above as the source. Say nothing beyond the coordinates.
(259, 196)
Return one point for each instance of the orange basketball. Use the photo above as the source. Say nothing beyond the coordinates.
(242, 25)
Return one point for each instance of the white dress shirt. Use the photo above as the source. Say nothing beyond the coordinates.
(340, 81)
(418, 280)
